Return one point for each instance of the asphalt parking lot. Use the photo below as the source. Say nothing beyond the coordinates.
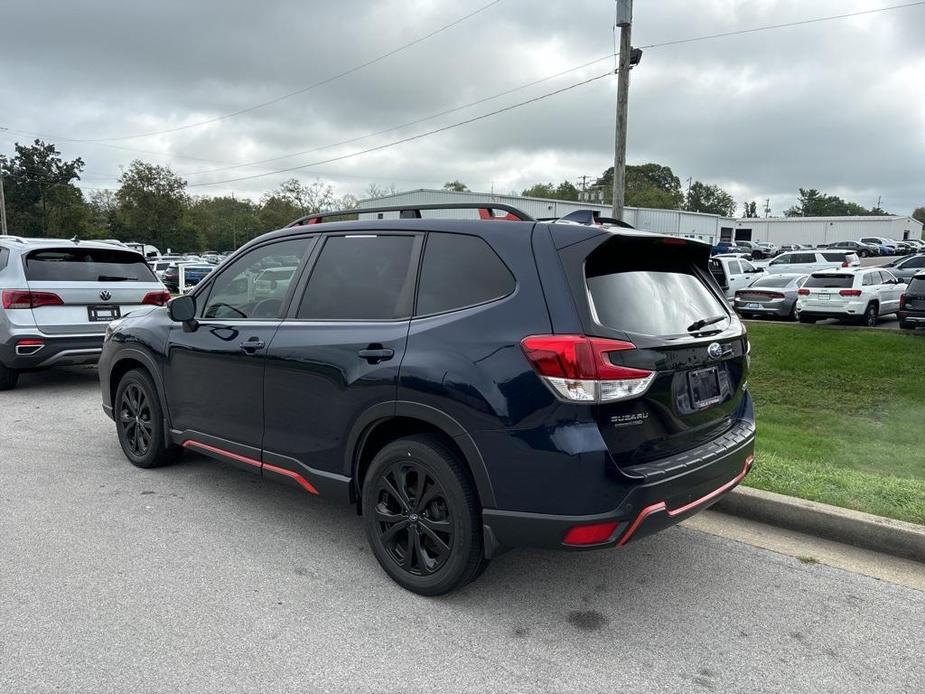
(201, 578)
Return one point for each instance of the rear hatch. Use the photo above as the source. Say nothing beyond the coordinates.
(915, 295)
(658, 295)
(828, 291)
(80, 289)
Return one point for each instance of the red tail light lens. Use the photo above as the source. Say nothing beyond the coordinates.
(580, 535)
(156, 298)
(23, 298)
(850, 292)
(803, 292)
(577, 367)
(902, 301)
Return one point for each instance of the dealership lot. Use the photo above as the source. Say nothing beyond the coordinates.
(197, 577)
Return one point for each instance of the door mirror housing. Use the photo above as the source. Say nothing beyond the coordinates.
(182, 309)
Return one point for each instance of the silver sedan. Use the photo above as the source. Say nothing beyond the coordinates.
(770, 295)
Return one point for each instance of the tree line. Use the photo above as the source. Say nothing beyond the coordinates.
(152, 205)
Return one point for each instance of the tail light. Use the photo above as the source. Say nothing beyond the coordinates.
(902, 302)
(23, 298)
(845, 264)
(157, 298)
(579, 535)
(578, 368)
(803, 292)
(850, 292)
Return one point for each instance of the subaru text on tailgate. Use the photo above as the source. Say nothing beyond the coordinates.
(469, 385)
(59, 296)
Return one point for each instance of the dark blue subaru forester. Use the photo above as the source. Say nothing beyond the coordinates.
(470, 384)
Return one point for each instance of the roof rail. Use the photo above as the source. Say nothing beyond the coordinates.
(11, 237)
(486, 211)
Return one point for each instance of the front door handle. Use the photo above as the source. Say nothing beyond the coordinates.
(252, 345)
(376, 353)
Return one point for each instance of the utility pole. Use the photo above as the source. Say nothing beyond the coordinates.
(767, 208)
(2, 209)
(625, 22)
(690, 182)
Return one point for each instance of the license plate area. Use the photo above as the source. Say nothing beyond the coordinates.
(103, 313)
(704, 387)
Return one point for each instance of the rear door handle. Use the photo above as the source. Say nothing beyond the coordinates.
(252, 345)
(376, 353)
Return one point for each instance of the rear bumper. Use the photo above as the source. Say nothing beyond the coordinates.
(915, 317)
(55, 350)
(780, 308)
(647, 508)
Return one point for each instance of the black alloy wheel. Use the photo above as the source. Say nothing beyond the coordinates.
(413, 518)
(422, 515)
(135, 419)
(870, 316)
(140, 422)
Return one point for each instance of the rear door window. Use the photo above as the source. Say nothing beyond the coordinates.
(734, 267)
(650, 297)
(86, 265)
(460, 271)
(362, 277)
(829, 282)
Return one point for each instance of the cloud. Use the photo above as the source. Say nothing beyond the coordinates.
(836, 106)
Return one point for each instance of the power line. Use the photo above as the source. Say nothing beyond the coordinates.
(404, 125)
(783, 26)
(301, 90)
(410, 138)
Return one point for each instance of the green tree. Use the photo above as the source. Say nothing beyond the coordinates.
(750, 209)
(457, 186)
(276, 212)
(813, 203)
(919, 214)
(152, 202)
(647, 185)
(102, 211)
(711, 199)
(41, 198)
(307, 198)
(224, 222)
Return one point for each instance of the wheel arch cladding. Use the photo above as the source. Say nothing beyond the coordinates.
(410, 419)
(129, 360)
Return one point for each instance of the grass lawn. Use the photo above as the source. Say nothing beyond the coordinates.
(841, 417)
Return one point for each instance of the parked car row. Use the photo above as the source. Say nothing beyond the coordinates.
(867, 247)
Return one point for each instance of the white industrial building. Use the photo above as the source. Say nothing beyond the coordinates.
(707, 227)
(816, 230)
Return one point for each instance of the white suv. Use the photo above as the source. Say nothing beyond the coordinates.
(804, 262)
(861, 295)
(57, 297)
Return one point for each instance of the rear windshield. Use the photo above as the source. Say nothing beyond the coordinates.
(916, 286)
(649, 297)
(774, 281)
(86, 265)
(829, 281)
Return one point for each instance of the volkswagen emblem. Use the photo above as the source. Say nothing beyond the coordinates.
(105, 295)
(715, 351)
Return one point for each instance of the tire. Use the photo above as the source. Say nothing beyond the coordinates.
(905, 325)
(8, 377)
(140, 422)
(430, 549)
(807, 319)
(864, 254)
(870, 316)
(792, 316)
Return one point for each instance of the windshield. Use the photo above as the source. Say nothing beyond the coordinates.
(829, 281)
(86, 265)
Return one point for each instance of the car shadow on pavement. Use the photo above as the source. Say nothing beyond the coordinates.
(61, 378)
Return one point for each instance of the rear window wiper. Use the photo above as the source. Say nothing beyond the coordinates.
(704, 322)
(113, 278)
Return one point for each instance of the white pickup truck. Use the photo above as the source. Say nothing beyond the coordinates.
(732, 273)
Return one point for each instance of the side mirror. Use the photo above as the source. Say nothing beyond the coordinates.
(183, 310)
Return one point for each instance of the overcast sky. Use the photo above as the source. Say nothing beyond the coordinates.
(838, 106)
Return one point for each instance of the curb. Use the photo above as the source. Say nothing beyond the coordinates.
(864, 530)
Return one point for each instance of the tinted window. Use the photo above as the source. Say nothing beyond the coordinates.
(918, 261)
(734, 267)
(86, 265)
(361, 278)
(784, 259)
(460, 271)
(656, 300)
(237, 293)
(804, 258)
(829, 281)
(916, 286)
(4, 257)
(773, 281)
(835, 257)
